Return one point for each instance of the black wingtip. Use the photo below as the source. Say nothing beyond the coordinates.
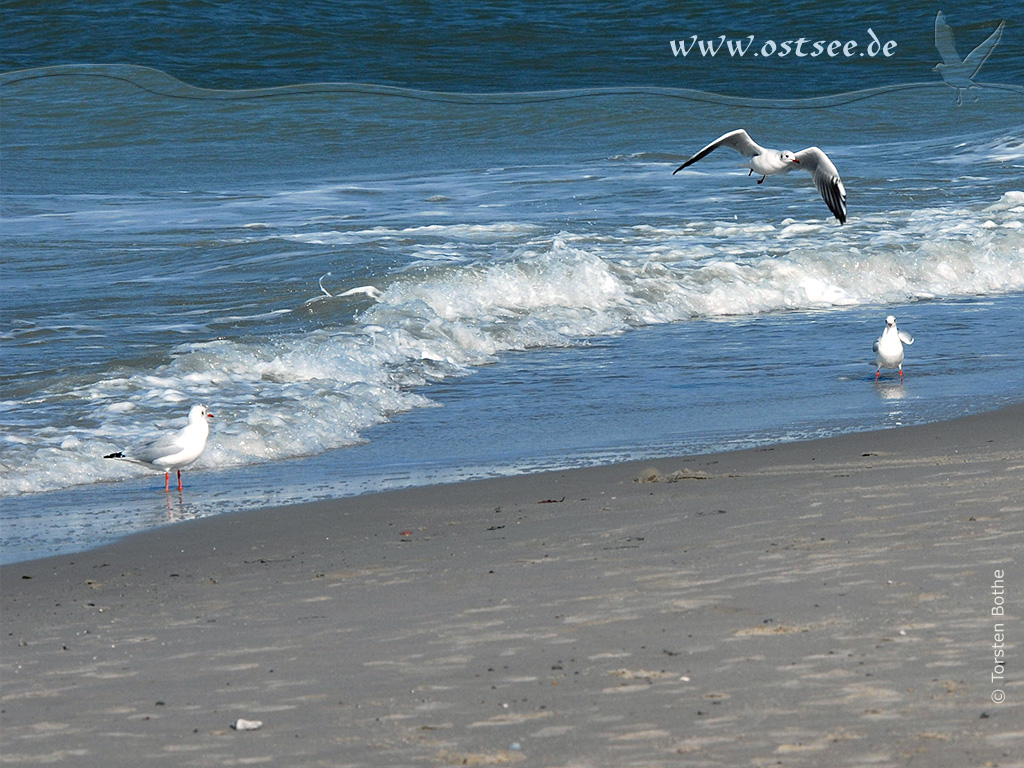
(117, 455)
(677, 170)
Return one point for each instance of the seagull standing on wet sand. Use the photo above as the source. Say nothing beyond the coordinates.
(888, 348)
(768, 162)
(175, 450)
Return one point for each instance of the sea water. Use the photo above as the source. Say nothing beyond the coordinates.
(539, 290)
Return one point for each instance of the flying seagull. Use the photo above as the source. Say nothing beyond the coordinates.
(174, 450)
(955, 72)
(888, 348)
(771, 161)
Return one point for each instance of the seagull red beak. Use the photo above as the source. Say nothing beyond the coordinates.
(795, 160)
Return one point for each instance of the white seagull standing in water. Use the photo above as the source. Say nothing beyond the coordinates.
(175, 450)
(888, 348)
(768, 162)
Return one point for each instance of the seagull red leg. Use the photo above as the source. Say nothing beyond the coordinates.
(179, 479)
(167, 481)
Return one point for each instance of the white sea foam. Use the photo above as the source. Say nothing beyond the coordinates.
(1000, 149)
(305, 392)
(1013, 200)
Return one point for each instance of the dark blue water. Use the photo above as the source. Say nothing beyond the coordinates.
(501, 46)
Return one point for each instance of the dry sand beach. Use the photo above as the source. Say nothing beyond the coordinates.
(826, 603)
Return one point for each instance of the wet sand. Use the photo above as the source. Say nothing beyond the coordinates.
(826, 603)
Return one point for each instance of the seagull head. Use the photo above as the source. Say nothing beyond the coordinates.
(789, 157)
(198, 413)
(890, 321)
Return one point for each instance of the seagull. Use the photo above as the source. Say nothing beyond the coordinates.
(363, 290)
(771, 161)
(888, 348)
(174, 450)
(958, 73)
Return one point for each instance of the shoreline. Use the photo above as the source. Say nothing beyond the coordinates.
(804, 602)
(137, 510)
(664, 404)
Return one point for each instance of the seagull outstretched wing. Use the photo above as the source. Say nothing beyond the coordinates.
(739, 140)
(977, 57)
(945, 42)
(826, 179)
